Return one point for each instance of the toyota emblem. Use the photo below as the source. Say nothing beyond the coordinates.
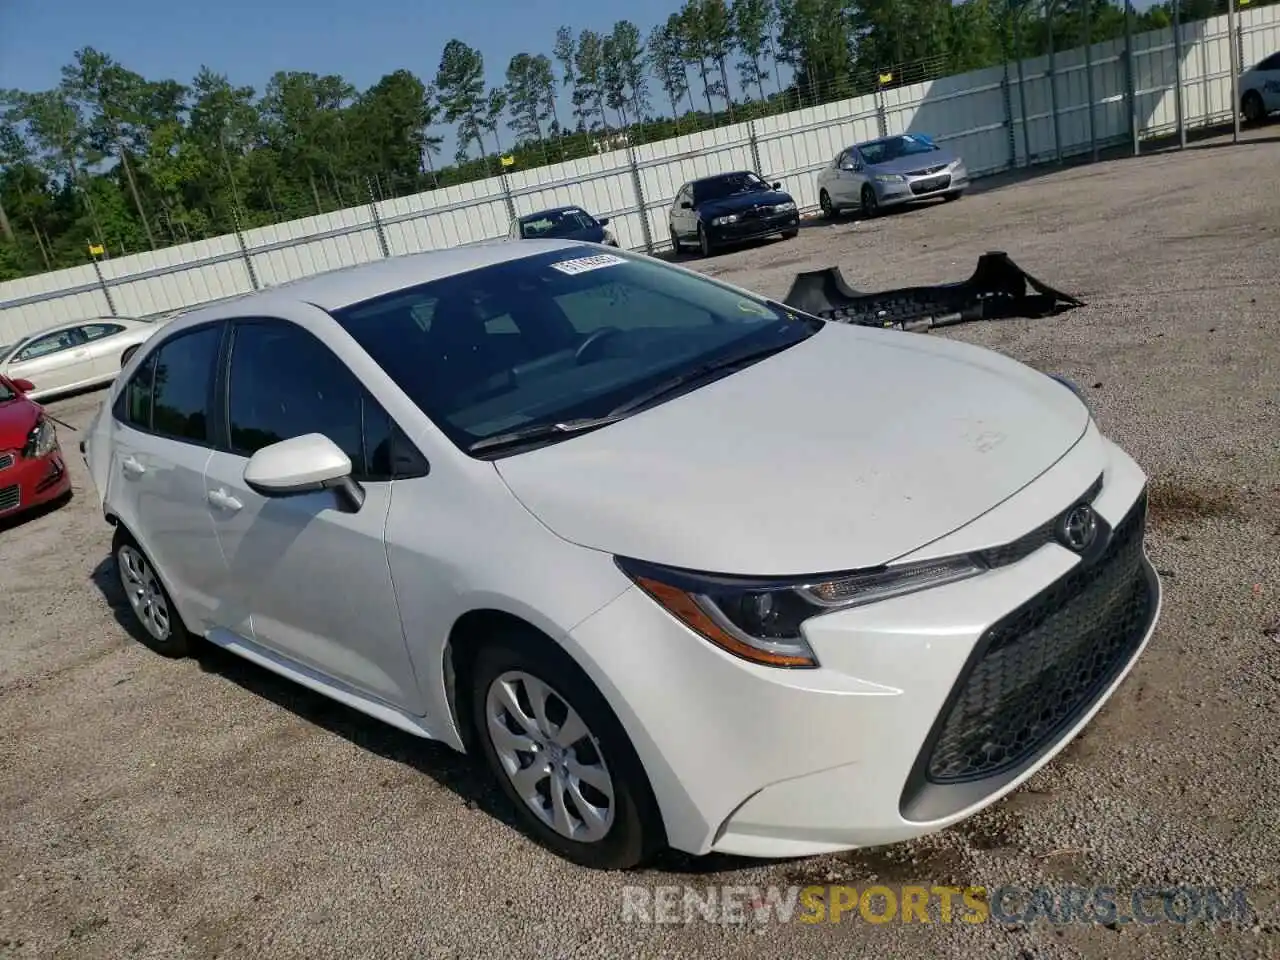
(1078, 528)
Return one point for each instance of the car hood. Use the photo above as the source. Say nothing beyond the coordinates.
(745, 201)
(917, 161)
(17, 417)
(848, 450)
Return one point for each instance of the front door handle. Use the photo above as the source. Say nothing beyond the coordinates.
(224, 501)
(131, 467)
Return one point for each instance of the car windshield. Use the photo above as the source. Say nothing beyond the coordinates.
(884, 151)
(559, 336)
(557, 223)
(729, 185)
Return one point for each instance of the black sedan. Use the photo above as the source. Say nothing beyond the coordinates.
(731, 208)
(564, 223)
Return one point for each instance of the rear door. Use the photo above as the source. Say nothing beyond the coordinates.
(161, 443)
(304, 579)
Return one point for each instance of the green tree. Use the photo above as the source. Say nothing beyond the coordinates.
(664, 53)
(528, 80)
(589, 90)
(460, 86)
(752, 26)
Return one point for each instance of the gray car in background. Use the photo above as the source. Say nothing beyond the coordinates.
(889, 172)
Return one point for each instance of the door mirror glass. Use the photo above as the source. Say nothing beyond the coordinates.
(686, 205)
(303, 464)
(848, 165)
(23, 386)
(777, 186)
(603, 221)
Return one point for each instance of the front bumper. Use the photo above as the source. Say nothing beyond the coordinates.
(894, 193)
(898, 732)
(26, 483)
(753, 229)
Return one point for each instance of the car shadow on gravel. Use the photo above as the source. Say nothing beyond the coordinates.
(19, 520)
(464, 775)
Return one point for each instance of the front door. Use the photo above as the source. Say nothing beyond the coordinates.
(303, 579)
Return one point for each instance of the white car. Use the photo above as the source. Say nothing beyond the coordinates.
(685, 567)
(75, 355)
(1260, 89)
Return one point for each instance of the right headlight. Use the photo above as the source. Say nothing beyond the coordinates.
(760, 619)
(41, 440)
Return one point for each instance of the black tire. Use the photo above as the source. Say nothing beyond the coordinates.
(953, 195)
(635, 833)
(790, 234)
(178, 641)
(870, 205)
(829, 211)
(676, 246)
(705, 246)
(1254, 110)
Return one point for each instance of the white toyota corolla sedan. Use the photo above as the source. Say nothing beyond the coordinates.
(685, 567)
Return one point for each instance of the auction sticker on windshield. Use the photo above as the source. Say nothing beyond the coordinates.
(585, 264)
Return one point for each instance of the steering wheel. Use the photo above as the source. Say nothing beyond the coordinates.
(593, 338)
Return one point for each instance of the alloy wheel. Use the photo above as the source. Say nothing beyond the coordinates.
(144, 592)
(869, 202)
(553, 760)
(828, 210)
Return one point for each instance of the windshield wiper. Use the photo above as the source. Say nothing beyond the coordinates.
(540, 431)
(695, 374)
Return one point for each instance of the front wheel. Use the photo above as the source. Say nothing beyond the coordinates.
(870, 203)
(561, 757)
(953, 195)
(676, 246)
(1253, 108)
(704, 242)
(829, 211)
(790, 234)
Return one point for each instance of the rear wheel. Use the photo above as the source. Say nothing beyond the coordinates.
(829, 210)
(560, 755)
(676, 246)
(1253, 108)
(870, 204)
(152, 608)
(790, 234)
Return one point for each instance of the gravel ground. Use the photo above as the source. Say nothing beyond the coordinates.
(204, 809)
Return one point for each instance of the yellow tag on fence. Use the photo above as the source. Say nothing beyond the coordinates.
(96, 249)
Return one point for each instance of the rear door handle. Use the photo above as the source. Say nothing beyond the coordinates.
(224, 501)
(132, 468)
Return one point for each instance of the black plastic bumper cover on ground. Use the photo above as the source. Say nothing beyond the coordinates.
(999, 289)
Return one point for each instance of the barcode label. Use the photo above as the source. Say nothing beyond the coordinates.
(585, 264)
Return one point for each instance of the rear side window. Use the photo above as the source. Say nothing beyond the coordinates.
(1270, 63)
(135, 399)
(182, 385)
(96, 331)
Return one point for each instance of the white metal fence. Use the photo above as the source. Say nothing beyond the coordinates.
(999, 118)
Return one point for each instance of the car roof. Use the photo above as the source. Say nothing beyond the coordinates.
(543, 213)
(344, 286)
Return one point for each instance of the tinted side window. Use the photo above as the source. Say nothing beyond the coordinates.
(284, 383)
(135, 398)
(183, 380)
(52, 343)
(1270, 63)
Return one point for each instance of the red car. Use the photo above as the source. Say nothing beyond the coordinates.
(32, 470)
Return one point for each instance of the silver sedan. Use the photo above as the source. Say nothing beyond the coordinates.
(76, 355)
(890, 172)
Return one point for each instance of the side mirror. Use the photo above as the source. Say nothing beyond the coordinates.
(777, 186)
(686, 204)
(603, 221)
(23, 386)
(304, 465)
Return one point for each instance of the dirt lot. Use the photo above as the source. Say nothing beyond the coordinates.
(203, 808)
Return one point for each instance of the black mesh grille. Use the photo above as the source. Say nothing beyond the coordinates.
(1029, 543)
(1043, 665)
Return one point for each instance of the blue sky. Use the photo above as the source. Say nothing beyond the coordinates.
(251, 39)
